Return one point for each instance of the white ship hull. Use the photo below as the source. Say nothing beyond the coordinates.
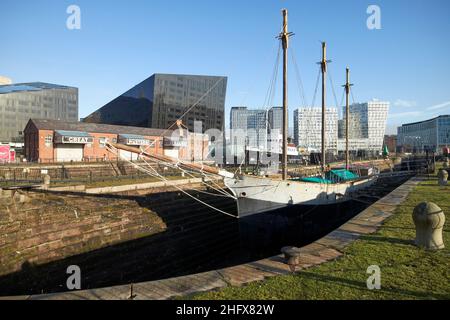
(256, 194)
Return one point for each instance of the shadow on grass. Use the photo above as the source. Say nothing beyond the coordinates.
(400, 228)
(386, 239)
(355, 284)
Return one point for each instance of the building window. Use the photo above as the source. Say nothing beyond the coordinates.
(48, 140)
(102, 142)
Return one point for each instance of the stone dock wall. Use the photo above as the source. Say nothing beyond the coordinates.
(325, 249)
(43, 232)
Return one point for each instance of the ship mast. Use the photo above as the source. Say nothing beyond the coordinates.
(284, 37)
(347, 116)
(323, 64)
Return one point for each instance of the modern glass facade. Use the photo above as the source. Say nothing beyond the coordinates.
(257, 125)
(367, 126)
(430, 135)
(21, 102)
(275, 118)
(308, 129)
(160, 100)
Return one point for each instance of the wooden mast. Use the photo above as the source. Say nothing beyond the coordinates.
(347, 117)
(284, 36)
(324, 73)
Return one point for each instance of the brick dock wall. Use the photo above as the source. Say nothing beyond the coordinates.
(41, 234)
(37, 228)
(75, 171)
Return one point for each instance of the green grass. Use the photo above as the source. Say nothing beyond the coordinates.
(407, 272)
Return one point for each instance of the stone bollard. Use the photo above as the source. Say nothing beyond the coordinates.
(429, 220)
(19, 197)
(47, 181)
(443, 177)
(292, 257)
(445, 165)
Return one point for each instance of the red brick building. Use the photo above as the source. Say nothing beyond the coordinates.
(391, 142)
(48, 141)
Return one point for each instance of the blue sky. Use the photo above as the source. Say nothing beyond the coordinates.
(121, 43)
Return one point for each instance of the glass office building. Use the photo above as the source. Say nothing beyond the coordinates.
(257, 125)
(430, 135)
(308, 129)
(367, 127)
(23, 101)
(160, 100)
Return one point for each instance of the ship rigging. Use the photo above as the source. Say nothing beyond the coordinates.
(255, 194)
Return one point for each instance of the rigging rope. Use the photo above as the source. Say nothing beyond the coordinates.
(273, 79)
(173, 185)
(316, 89)
(299, 78)
(187, 111)
(353, 98)
(220, 190)
(211, 177)
(332, 86)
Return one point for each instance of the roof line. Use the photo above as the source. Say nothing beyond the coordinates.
(413, 123)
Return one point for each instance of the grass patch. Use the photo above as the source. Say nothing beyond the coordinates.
(407, 272)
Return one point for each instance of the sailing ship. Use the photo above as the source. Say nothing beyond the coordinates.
(255, 194)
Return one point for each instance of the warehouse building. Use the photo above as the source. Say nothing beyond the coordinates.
(49, 141)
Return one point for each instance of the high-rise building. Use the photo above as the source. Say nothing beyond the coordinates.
(256, 125)
(275, 119)
(160, 100)
(22, 101)
(308, 129)
(429, 135)
(249, 124)
(367, 126)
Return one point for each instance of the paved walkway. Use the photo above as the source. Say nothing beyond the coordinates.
(326, 249)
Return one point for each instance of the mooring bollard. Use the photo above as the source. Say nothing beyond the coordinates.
(443, 177)
(446, 164)
(429, 220)
(291, 256)
(46, 181)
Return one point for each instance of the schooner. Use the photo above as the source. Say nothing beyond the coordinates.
(255, 194)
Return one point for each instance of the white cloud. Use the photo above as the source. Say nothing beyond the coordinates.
(405, 103)
(405, 114)
(439, 106)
